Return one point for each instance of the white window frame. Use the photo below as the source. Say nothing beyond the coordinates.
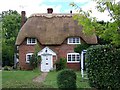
(71, 39)
(29, 41)
(28, 61)
(72, 58)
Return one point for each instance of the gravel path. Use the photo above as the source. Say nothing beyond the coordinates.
(40, 78)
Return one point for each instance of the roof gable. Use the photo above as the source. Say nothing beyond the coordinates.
(46, 50)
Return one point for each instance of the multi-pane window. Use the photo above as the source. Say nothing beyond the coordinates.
(28, 57)
(73, 57)
(74, 40)
(31, 41)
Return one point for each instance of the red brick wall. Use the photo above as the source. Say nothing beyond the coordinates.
(23, 50)
(75, 66)
(60, 50)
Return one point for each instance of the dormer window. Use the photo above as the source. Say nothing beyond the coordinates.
(31, 41)
(74, 40)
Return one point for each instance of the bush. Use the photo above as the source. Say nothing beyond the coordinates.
(103, 67)
(66, 79)
(35, 60)
(61, 64)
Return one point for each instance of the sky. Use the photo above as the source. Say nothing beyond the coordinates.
(59, 6)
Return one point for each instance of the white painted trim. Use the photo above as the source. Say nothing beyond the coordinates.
(75, 57)
(49, 51)
(26, 57)
(31, 43)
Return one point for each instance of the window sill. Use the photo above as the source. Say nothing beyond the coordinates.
(74, 62)
(73, 43)
(27, 62)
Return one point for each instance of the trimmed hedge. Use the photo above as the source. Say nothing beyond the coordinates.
(103, 67)
(66, 79)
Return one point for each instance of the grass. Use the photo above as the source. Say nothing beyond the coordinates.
(23, 79)
(51, 80)
(20, 79)
(0, 79)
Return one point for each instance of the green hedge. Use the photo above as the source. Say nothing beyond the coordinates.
(66, 79)
(103, 64)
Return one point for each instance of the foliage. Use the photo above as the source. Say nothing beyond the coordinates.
(103, 64)
(81, 47)
(61, 64)
(10, 27)
(66, 79)
(109, 31)
(35, 59)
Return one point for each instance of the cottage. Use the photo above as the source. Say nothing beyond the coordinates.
(56, 34)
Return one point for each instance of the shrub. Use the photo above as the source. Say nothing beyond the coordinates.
(35, 60)
(66, 79)
(61, 64)
(103, 66)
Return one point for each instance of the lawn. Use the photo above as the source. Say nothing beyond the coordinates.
(23, 79)
(20, 79)
(52, 80)
(0, 79)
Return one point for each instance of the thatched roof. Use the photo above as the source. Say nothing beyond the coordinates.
(52, 29)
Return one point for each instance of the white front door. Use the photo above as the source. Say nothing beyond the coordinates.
(46, 62)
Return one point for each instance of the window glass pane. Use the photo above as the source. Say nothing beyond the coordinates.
(28, 40)
(77, 40)
(73, 57)
(69, 57)
(33, 40)
(70, 40)
(78, 57)
(29, 57)
(73, 40)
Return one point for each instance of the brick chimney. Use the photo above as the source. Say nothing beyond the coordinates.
(23, 18)
(49, 10)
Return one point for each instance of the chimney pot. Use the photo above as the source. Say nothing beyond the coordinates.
(71, 11)
(49, 10)
(23, 13)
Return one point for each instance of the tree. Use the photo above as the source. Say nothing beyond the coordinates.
(10, 26)
(110, 31)
(0, 42)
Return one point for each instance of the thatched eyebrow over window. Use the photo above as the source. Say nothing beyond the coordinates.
(53, 30)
